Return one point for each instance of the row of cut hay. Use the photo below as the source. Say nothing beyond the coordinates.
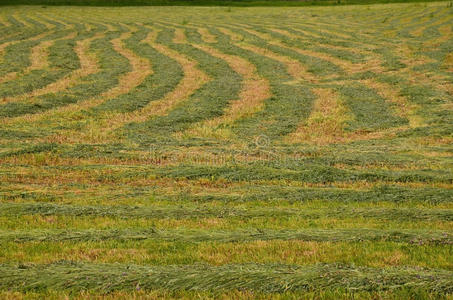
(435, 237)
(265, 278)
(49, 209)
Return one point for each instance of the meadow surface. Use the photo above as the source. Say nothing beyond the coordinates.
(218, 153)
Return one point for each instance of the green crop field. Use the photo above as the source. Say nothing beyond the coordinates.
(226, 153)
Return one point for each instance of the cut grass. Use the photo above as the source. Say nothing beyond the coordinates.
(177, 152)
(196, 236)
(43, 209)
(261, 278)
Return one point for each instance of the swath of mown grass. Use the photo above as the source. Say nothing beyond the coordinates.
(346, 59)
(326, 121)
(167, 74)
(370, 110)
(87, 66)
(14, 63)
(294, 67)
(38, 60)
(264, 278)
(437, 237)
(12, 209)
(355, 195)
(295, 172)
(132, 85)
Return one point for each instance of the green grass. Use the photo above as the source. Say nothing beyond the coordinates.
(151, 166)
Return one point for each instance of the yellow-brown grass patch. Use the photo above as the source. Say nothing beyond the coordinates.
(180, 36)
(326, 122)
(206, 36)
(448, 63)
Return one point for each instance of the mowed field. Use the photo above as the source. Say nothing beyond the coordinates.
(226, 152)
